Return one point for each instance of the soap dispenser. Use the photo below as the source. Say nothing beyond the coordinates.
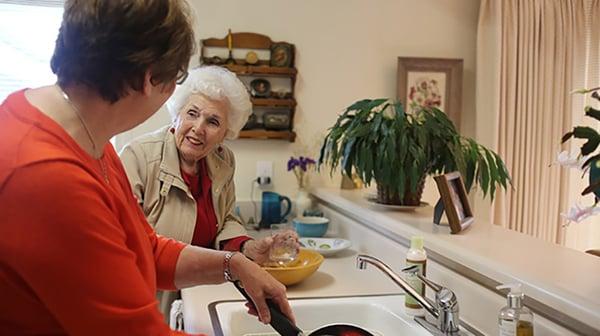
(515, 319)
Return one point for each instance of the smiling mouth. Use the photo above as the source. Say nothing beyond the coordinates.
(194, 141)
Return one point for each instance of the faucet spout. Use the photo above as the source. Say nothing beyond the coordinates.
(361, 263)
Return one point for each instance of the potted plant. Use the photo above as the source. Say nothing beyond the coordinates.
(587, 160)
(398, 150)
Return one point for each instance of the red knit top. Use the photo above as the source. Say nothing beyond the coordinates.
(77, 256)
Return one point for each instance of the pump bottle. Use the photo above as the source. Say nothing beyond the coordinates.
(515, 319)
(416, 255)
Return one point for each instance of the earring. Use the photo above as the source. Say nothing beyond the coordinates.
(172, 130)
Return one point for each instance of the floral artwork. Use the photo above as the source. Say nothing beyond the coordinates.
(300, 166)
(431, 83)
(426, 89)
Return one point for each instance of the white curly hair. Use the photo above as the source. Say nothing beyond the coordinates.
(216, 83)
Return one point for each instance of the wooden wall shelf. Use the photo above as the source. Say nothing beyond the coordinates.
(273, 102)
(261, 69)
(264, 134)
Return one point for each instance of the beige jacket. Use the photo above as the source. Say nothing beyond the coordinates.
(152, 165)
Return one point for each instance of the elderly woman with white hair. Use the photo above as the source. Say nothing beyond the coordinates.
(182, 174)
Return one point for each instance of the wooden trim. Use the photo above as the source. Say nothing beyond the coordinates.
(240, 40)
(272, 102)
(261, 70)
(264, 134)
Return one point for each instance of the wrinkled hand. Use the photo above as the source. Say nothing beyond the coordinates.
(258, 250)
(260, 286)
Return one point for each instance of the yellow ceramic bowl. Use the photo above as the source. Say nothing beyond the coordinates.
(306, 264)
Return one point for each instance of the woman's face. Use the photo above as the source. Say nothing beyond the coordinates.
(200, 125)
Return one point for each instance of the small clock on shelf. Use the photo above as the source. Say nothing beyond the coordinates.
(281, 54)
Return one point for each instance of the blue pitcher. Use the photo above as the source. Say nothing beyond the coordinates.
(272, 209)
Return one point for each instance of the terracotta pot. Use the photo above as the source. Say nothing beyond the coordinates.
(387, 196)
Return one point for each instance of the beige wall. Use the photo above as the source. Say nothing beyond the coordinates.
(346, 50)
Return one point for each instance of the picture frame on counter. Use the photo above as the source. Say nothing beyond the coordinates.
(454, 201)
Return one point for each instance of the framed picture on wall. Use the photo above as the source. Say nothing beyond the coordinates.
(435, 82)
(455, 201)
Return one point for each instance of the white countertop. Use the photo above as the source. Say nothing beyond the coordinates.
(561, 278)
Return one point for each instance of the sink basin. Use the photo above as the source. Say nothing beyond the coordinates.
(380, 314)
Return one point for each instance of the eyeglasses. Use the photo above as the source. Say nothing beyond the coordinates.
(181, 77)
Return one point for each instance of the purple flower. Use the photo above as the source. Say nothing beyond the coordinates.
(292, 163)
(302, 162)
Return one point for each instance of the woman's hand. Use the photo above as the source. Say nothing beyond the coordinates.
(258, 250)
(260, 286)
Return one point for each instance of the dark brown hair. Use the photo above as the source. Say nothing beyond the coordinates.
(108, 45)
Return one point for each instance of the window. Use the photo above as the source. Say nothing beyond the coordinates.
(28, 30)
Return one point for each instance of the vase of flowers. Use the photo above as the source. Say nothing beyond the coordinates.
(587, 159)
(301, 167)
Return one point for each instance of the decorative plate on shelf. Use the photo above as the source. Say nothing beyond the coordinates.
(260, 87)
(372, 199)
(325, 246)
(251, 58)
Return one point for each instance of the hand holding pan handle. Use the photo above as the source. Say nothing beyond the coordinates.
(285, 327)
(279, 322)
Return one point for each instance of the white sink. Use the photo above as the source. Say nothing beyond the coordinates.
(380, 314)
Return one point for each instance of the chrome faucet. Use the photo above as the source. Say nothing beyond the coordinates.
(445, 307)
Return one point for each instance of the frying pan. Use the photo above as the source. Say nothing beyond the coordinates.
(285, 327)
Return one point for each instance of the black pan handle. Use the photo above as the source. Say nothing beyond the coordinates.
(279, 321)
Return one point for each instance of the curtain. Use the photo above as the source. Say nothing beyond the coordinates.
(530, 56)
(586, 235)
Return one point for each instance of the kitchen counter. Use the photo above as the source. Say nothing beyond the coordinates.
(561, 283)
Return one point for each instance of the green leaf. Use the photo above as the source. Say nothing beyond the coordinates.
(399, 112)
(485, 175)
(567, 136)
(348, 157)
(368, 162)
(502, 171)
(592, 112)
(591, 188)
(590, 160)
(376, 102)
(494, 175)
(376, 123)
(591, 135)
(359, 105)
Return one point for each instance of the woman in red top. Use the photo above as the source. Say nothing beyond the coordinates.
(77, 256)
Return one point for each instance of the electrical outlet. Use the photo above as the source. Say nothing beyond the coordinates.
(264, 173)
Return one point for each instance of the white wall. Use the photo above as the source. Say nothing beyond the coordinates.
(345, 50)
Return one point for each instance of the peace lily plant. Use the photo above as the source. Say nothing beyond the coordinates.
(398, 150)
